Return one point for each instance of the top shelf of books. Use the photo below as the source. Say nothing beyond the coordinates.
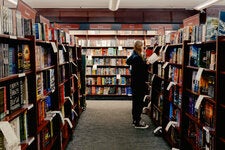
(113, 32)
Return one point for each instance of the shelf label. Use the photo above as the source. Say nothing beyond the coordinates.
(157, 129)
(67, 97)
(170, 85)
(165, 49)
(89, 57)
(21, 75)
(75, 76)
(118, 76)
(199, 101)
(120, 48)
(153, 58)
(13, 37)
(94, 67)
(170, 124)
(146, 96)
(74, 112)
(30, 140)
(30, 106)
(199, 74)
(64, 49)
(55, 49)
(74, 64)
(9, 135)
(153, 77)
(69, 122)
(165, 65)
(161, 49)
(60, 114)
(154, 49)
(175, 148)
(164, 53)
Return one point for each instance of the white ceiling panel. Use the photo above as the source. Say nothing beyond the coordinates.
(123, 3)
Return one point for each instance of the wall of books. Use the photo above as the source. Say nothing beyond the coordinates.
(39, 81)
(187, 65)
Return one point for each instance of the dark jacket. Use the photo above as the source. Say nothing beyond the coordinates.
(139, 73)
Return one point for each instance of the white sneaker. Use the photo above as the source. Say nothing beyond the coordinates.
(140, 126)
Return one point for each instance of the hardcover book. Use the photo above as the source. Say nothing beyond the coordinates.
(13, 96)
(12, 60)
(26, 55)
(20, 59)
(3, 97)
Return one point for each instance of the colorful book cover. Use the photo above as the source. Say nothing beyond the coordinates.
(212, 24)
(221, 27)
(26, 55)
(3, 98)
(13, 96)
(12, 60)
(20, 59)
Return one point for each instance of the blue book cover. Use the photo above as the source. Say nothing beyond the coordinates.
(12, 61)
(212, 24)
(221, 28)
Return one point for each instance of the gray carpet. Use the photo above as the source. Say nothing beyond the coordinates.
(106, 125)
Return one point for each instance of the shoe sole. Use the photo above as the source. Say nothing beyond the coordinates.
(145, 127)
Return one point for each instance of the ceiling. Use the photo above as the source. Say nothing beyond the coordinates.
(187, 4)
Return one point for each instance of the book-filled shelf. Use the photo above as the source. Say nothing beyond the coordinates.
(107, 74)
(189, 70)
(39, 82)
(167, 89)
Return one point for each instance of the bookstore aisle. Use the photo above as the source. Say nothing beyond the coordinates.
(106, 125)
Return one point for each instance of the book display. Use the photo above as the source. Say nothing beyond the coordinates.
(40, 83)
(189, 105)
(106, 52)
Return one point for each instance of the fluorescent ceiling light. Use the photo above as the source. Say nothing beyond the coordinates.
(205, 4)
(13, 2)
(114, 4)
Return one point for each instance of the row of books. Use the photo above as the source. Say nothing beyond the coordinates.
(13, 96)
(108, 52)
(43, 106)
(108, 90)
(16, 129)
(205, 113)
(43, 57)
(14, 59)
(174, 114)
(175, 95)
(202, 137)
(129, 42)
(171, 54)
(107, 71)
(108, 81)
(174, 73)
(44, 32)
(204, 32)
(108, 61)
(45, 83)
(200, 57)
(48, 133)
(204, 86)
(11, 22)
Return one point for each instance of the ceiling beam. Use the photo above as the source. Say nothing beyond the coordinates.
(64, 15)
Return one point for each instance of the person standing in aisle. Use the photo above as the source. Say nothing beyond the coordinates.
(139, 76)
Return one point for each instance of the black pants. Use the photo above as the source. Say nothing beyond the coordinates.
(137, 106)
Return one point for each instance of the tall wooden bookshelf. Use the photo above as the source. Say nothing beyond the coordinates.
(192, 117)
(17, 103)
(40, 78)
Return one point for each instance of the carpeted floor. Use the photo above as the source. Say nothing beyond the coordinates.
(106, 125)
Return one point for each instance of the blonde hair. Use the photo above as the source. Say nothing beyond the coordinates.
(138, 47)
